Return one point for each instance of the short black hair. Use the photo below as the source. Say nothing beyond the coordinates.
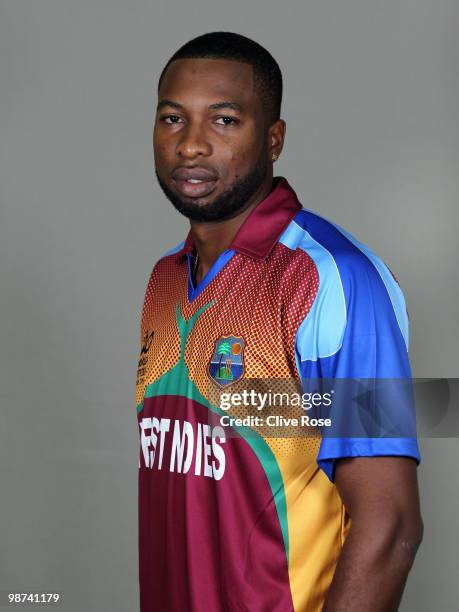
(232, 46)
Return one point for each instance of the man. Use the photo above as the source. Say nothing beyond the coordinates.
(231, 518)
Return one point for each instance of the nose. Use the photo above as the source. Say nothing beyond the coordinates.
(193, 142)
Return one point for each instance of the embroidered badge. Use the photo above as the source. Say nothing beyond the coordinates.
(226, 364)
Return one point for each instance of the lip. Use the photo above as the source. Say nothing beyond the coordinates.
(195, 190)
(193, 172)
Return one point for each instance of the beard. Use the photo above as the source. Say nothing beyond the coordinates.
(226, 205)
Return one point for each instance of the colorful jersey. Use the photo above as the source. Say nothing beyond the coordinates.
(231, 519)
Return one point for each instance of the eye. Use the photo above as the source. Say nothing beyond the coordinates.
(164, 119)
(231, 120)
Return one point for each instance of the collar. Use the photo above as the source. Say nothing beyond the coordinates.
(261, 230)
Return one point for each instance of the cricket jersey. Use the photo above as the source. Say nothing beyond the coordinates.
(233, 518)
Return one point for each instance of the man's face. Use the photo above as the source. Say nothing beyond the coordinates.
(210, 141)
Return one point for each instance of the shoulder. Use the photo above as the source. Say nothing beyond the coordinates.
(173, 250)
(341, 259)
(167, 259)
(337, 253)
(354, 282)
(164, 268)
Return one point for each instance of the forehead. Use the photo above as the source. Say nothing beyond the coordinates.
(207, 80)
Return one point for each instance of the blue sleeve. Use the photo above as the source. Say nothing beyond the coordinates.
(357, 329)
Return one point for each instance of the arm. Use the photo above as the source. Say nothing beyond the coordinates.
(382, 499)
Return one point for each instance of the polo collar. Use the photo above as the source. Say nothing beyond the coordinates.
(261, 230)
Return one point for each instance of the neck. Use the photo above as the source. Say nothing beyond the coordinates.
(212, 238)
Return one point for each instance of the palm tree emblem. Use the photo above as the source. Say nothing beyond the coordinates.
(226, 363)
(224, 348)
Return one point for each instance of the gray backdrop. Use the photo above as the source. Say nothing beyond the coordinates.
(371, 105)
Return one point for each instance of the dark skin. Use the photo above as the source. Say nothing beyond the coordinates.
(379, 493)
(202, 136)
(381, 496)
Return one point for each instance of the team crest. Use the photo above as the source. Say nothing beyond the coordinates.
(226, 364)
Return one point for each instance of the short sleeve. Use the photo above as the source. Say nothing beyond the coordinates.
(357, 334)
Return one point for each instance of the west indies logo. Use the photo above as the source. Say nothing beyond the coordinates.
(226, 364)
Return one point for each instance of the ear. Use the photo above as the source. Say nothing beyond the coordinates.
(276, 134)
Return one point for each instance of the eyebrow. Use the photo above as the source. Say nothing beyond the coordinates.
(216, 106)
